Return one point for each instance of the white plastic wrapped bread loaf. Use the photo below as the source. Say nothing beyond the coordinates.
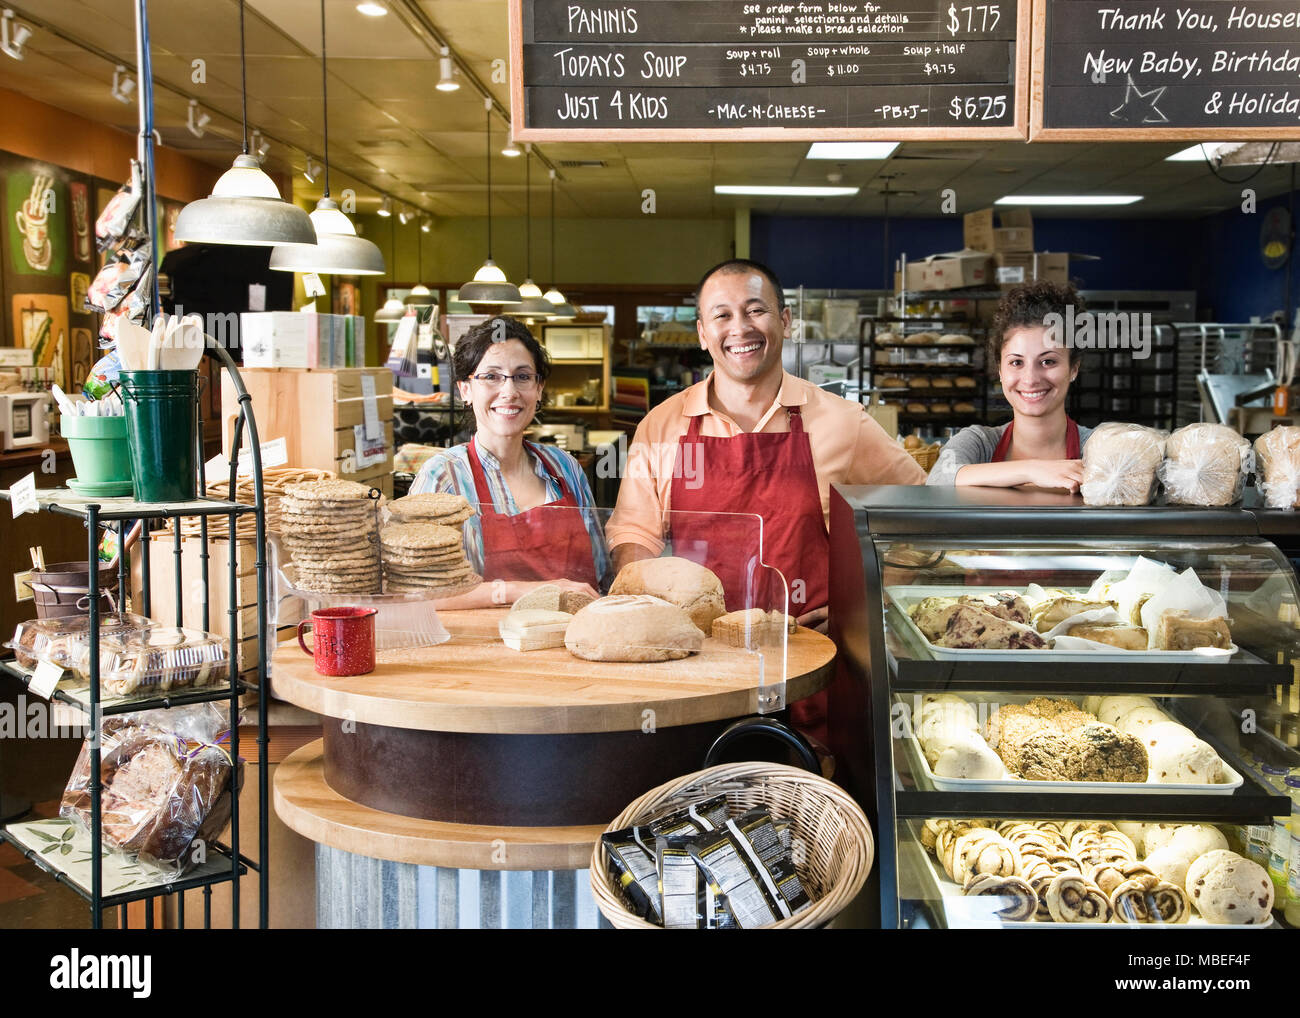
(1120, 464)
(1277, 460)
(1205, 464)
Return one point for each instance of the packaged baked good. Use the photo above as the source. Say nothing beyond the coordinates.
(1277, 465)
(745, 861)
(159, 659)
(166, 777)
(1205, 464)
(690, 586)
(1121, 463)
(632, 627)
(55, 640)
(534, 629)
(631, 854)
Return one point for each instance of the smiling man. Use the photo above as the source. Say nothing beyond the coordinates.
(750, 439)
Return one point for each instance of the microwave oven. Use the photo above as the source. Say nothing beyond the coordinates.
(574, 342)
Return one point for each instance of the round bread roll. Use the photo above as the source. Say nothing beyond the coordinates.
(969, 758)
(1139, 719)
(634, 627)
(1135, 832)
(1202, 865)
(1236, 891)
(1114, 707)
(1191, 762)
(694, 589)
(1165, 732)
(1198, 839)
(1170, 863)
(1157, 836)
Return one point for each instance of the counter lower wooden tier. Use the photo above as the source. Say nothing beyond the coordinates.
(472, 733)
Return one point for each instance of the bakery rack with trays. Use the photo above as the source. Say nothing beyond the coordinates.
(930, 362)
(887, 539)
(102, 882)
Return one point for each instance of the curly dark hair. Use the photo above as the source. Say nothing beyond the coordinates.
(474, 345)
(1030, 305)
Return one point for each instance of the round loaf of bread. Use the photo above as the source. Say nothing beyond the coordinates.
(693, 588)
(635, 627)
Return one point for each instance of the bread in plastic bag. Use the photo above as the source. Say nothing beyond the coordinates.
(1121, 463)
(1277, 461)
(1205, 464)
(165, 776)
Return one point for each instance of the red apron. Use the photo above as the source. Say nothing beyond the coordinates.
(772, 476)
(544, 543)
(1072, 451)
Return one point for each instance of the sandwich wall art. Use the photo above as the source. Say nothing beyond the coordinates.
(40, 323)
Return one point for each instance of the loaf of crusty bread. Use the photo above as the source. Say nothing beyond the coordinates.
(1120, 464)
(690, 586)
(1205, 464)
(632, 627)
(1277, 461)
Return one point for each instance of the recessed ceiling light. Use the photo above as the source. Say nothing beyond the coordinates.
(1068, 199)
(1196, 153)
(372, 9)
(851, 149)
(784, 191)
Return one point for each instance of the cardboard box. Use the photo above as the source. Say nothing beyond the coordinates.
(274, 339)
(1014, 230)
(1046, 266)
(954, 270)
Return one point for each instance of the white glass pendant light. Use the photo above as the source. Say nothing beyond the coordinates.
(560, 308)
(245, 206)
(489, 285)
(338, 249)
(393, 309)
(533, 304)
(420, 296)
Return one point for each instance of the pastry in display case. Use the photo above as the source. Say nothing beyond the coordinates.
(1055, 711)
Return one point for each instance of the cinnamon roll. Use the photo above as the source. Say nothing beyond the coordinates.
(1109, 875)
(984, 853)
(1073, 898)
(1148, 899)
(1019, 902)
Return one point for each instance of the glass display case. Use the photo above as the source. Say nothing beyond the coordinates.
(1031, 688)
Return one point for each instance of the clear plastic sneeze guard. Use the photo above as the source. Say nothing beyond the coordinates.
(434, 584)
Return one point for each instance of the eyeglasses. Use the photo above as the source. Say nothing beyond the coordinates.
(524, 380)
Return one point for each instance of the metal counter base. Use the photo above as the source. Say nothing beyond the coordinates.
(354, 892)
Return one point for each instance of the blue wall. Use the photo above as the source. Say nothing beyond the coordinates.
(1217, 256)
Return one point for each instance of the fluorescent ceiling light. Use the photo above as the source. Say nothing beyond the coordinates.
(371, 9)
(1068, 199)
(851, 150)
(1197, 153)
(787, 191)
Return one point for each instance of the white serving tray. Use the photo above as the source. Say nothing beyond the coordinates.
(921, 765)
(974, 911)
(904, 597)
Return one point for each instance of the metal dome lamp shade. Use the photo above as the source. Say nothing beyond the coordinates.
(533, 304)
(338, 250)
(420, 296)
(560, 308)
(489, 285)
(393, 310)
(245, 206)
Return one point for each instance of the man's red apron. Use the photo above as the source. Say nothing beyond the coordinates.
(772, 476)
(548, 542)
(1072, 451)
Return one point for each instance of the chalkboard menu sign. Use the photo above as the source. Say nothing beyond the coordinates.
(1154, 69)
(737, 70)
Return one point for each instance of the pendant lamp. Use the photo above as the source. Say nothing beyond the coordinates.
(560, 308)
(489, 285)
(245, 206)
(393, 310)
(533, 305)
(338, 249)
(420, 296)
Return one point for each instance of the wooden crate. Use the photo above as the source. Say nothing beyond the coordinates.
(314, 412)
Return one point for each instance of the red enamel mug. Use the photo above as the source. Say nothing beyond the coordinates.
(345, 640)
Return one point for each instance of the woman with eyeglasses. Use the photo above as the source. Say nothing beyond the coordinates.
(536, 520)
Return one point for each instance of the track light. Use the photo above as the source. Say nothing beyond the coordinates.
(425, 224)
(512, 151)
(259, 146)
(403, 216)
(314, 169)
(123, 84)
(446, 73)
(196, 120)
(386, 207)
(12, 35)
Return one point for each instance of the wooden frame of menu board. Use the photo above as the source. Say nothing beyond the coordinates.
(977, 106)
(1182, 45)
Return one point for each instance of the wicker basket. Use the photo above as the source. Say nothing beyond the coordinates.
(925, 456)
(838, 846)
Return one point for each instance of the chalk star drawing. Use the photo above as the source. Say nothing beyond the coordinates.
(1140, 104)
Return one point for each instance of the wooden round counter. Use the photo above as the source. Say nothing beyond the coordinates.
(471, 732)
